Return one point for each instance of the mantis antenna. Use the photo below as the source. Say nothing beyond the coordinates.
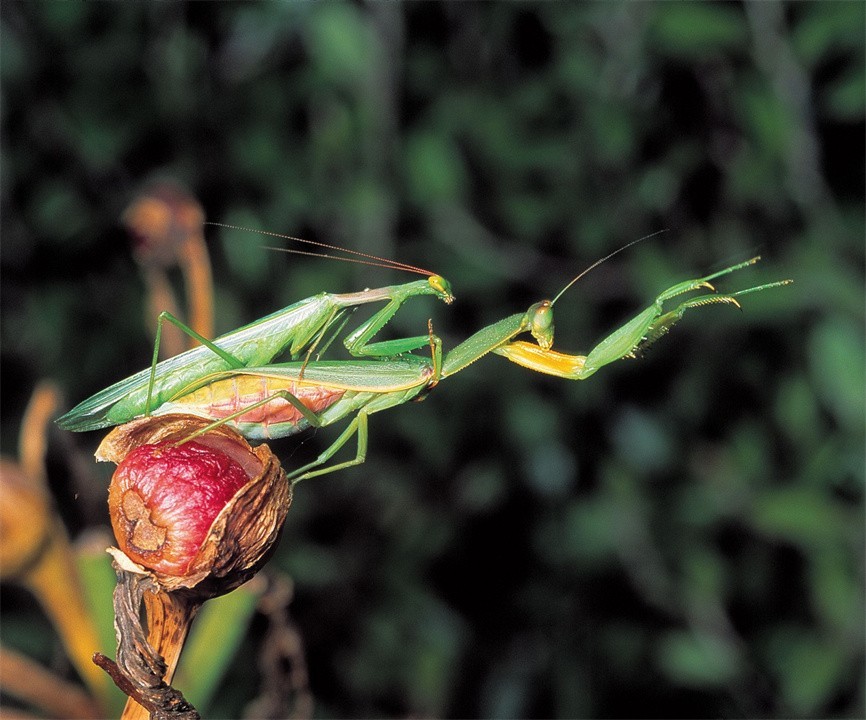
(361, 258)
(605, 258)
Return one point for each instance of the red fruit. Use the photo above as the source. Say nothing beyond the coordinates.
(164, 499)
(200, 515)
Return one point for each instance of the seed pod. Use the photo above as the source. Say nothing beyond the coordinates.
(204, 514)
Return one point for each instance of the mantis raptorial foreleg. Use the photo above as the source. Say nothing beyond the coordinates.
(632, 338)
(358, 342)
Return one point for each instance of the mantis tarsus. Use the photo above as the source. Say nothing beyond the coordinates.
(233, 379)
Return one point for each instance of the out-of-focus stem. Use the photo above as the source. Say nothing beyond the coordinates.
(33, 437)
(35, 548)
(160, 296)
(30, 682)
(195, 265)
(168, 225)
(54, 581)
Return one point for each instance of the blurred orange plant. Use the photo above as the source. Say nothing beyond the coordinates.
(35, 553)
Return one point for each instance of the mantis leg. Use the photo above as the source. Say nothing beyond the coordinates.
(315, 346)
(358, 427)
(358, 342)
(629, 340)
(435, 356)
(233, 362)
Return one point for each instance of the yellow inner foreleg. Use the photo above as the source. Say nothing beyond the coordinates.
(534, 357)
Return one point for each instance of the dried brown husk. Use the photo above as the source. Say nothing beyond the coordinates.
(246, 530)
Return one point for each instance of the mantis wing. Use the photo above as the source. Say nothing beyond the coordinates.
(255, 343)
(92, 414)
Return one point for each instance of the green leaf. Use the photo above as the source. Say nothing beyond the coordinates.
(216, 635)
(768, 119)
(694, 30)
(245, 251)
(846, 97)
(341, 43)
(837, 355)
(809, 669)
(797, 515)
(698, 659)
(434, 168)
(829, 27)
(98, 580)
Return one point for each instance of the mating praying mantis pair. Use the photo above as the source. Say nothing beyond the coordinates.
(233, 379)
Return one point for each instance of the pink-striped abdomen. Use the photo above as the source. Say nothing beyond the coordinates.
(275, 418)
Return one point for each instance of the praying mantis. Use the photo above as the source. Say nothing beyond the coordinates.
(233, 379)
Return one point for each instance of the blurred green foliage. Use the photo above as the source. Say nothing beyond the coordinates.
(680, 536)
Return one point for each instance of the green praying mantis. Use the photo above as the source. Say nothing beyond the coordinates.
(234, 380)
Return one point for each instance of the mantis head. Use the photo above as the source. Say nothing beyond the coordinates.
(539, 318)
(441, 288)
(539, 321)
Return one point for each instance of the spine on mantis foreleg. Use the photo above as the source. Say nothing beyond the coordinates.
(663, 324)
(656, 331)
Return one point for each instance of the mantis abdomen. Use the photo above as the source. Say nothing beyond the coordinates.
(269, 413)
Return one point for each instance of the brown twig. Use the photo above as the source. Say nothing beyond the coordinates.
(147, 656)
(171, 704)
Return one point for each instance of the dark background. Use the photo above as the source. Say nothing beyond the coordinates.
(680, 536)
